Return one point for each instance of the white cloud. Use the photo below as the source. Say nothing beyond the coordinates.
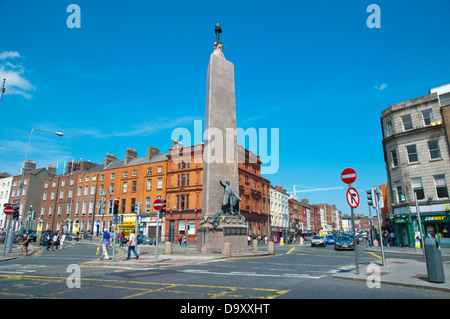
(9, 54)
(16, 83)
(381, 87)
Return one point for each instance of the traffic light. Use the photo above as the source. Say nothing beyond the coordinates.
(371, 197)
(380, 201)
(16, 213)
(163, 208)
(116, 206)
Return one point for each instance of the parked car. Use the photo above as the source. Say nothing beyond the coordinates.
(142, 239)
(331, 239)
(70, 237)
(31, 233)
(344, 242)
(318, 241)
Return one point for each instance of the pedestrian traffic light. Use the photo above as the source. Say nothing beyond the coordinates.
(116, 206)
(163, 208)
(16, 213)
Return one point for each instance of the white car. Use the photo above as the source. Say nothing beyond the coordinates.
(318, 241)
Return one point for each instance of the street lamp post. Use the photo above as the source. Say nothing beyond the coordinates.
(11, 238)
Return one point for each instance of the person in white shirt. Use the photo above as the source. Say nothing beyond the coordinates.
(132, 245)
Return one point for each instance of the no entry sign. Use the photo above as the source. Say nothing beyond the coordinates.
(8, 210)
(348, 175)
(352, 197)
(157, 204)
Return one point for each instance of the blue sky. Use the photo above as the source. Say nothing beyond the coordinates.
(136, 70)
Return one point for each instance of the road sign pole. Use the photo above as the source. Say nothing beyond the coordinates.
(354, 238)
(375, 200)
(114, 236)
(7, 235)
(157, 236)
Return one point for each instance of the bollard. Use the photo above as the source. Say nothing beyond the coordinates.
(168, 248)
(226, 252)
(271, 248)
(255, 245)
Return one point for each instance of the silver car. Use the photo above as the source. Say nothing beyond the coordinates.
(318, 241)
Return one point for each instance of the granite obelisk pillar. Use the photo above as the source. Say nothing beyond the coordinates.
(221, 221)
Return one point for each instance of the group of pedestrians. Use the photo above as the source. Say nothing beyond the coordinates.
(55, 240)
(107, 241)
(182, 241)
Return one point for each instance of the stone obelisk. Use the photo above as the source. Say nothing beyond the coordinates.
(221, 222)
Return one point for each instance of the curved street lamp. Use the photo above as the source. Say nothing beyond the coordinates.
(21, 183)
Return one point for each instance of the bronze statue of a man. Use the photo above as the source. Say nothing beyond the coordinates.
(230, 201)
(218, 31)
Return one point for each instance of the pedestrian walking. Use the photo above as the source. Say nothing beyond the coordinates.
(122, 237)
(179, 240)
(184, 241)
(106, 240)
(55, 242)
(25, 244)
(132, 245)
(61, 241)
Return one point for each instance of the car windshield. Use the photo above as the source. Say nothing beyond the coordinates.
(317, 237)
(331, 236)
(344, 238)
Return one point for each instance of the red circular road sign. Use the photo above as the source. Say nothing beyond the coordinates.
(8, 210)
(348, 175)
(352, 197)
(157, 204)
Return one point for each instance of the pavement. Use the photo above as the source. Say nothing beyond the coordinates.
(397, 271)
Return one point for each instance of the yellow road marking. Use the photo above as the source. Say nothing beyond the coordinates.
(290, 251)
(375, 255)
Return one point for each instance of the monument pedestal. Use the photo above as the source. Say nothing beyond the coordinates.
(231, 229)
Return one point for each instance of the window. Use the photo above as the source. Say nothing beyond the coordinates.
(441, 186)
(417, 187)
(394, 159)
(433, 147)
(125, 174)
(181, 226)
(113, 175)
(407, 122)
(400, 195)
(135, 172)
(159, 169)
(111, 188)
(159, 186)
(149, 184)
(63, 183)
(86, 190)
(102, 177)
(61, 194)
(427, 117)
(93, 190)
(147, 204)
(149, 171)
(389, 129)
(412, 153)
(133, 187)
(125, 186)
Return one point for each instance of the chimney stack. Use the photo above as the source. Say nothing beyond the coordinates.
(130, 154)
(151, 152)
(109, 158)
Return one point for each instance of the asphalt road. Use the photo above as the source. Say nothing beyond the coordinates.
(295, 272)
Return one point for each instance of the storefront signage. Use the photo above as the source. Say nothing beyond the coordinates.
(432, 218)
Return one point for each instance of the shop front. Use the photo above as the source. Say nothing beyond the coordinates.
(435, 224)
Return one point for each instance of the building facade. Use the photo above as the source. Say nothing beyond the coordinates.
(416, 153)
(5, 190)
